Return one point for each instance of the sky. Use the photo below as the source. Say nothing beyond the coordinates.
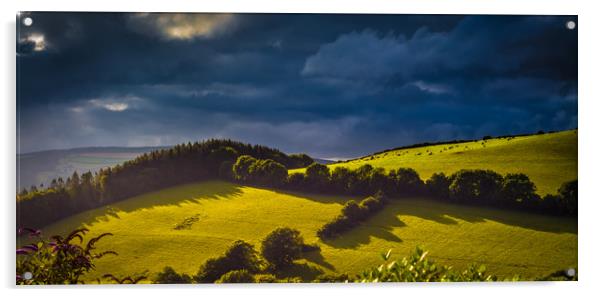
(330, 85)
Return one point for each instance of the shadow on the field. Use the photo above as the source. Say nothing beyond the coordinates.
(320, 198)
(317, 258)
(379, 226)
(189, 193)
(448, 213)
(382, 224)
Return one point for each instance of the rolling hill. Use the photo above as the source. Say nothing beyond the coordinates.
(548, 159)
(146, 237)
(41, 167)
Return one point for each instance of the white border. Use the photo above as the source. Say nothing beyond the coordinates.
(589, 137)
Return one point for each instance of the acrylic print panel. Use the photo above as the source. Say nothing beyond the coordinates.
(256, 148)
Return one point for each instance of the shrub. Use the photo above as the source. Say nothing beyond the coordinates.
(239, 256)
(237, 276)
(335, 227)
(353, 211)
(266, 278)
(475, 186)
(568, 197)
(170, 276)
(438, 186)
(212, 270)
(296, 181)
(372, 205)
(377, 181)
(62, 260)
(241, 167)
(332, 278)
(352, 214)
(244, 256)
(408, 182)
(317, 176)
(516, 189)
(282, 246)
(418, 268)
(341, 180)
(267, 172)
(361, 182)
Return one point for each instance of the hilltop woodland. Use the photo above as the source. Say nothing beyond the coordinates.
(159, 169)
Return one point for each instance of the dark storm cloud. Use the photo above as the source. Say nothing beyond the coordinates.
(329, 85)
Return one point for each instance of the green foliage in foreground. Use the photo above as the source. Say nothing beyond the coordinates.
(418, 268)
(62, 260)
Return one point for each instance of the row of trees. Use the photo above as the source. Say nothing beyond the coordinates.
(475, 187)
(352, 214)
(152, 171)
(263, 166)
(514, 191)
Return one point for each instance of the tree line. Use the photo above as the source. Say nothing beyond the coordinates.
(352, 214)
(260, 165)
(474, 187)
(152, 171)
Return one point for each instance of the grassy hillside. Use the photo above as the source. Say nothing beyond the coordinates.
(507, 242)
(548, 159)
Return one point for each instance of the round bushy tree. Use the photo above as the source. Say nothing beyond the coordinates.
(241, 167)
(317, 176)
(295, 181)
(353, 211)
(408, 182)
(568, 196)
(341, 179)
(268, 172)
(240, 255)
(517, 188)
(438, 186)
(475, 186)
(282, 246)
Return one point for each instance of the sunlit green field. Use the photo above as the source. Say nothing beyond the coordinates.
(548, 159)
(509, 243)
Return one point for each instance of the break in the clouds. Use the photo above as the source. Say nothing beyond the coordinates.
(328, 85)
(182, 26)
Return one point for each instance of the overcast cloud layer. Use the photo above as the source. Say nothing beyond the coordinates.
(328, 85)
